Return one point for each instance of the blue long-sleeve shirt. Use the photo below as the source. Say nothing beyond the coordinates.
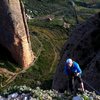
(74, 69)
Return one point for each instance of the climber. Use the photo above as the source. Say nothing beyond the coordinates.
(72, 70)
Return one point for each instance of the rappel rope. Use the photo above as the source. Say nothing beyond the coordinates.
(92, 87)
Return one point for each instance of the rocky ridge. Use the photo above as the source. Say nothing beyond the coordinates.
(27, 93)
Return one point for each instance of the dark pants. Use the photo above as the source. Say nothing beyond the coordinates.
(78, 78)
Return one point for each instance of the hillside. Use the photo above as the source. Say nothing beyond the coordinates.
(48, 35)
(62, 8)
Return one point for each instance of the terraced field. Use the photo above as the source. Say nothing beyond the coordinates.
(46, 44)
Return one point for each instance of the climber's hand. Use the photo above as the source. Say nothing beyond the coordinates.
(77, 74)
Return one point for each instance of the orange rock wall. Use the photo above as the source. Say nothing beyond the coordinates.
(14, 34)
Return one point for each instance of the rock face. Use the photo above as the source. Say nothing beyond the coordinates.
(14, 34)
(83, 47)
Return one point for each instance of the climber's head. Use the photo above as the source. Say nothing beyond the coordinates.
(69, 62)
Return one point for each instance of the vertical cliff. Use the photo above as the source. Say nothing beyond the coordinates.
(14, 34)
(83, 47)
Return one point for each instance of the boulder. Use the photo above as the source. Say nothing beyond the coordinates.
(77, 98)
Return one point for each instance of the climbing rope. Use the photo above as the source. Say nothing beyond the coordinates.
(91, 87)
(75, 82)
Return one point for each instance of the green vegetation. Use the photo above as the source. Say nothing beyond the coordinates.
(39, 94)
(47, 40)
(62, 8)
(46, 44)
(47, 37)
